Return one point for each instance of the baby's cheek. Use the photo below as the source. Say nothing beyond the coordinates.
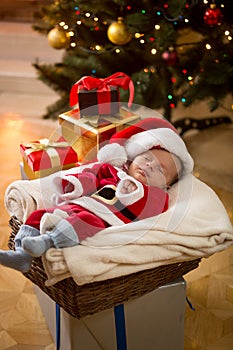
(157, 180)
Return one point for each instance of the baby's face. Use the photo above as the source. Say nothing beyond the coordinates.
(155, 168)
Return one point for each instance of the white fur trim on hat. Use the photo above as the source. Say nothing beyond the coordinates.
(114, 154)
(163, 137)
(166, 138)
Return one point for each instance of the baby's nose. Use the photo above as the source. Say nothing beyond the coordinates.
(149, 164)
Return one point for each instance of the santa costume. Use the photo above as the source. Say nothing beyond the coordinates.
(91, 200)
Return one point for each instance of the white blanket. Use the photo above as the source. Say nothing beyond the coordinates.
(22, 197)
(195, 226)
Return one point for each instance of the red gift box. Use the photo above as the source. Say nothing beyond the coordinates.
(96, 102)
(43, 157)
(100, 96)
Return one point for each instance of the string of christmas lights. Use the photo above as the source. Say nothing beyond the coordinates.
(69, 39)
(66, 35)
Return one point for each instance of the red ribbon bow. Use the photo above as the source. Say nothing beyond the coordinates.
(88, 83)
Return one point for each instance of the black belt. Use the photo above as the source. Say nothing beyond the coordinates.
(107, 195)
(125, 211)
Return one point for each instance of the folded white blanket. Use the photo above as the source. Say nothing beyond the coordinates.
(195, 226)
(22, 197)
(21, 200)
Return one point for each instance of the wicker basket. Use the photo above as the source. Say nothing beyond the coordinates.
(80, 301)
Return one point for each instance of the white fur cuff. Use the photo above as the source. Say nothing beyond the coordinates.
(129, 198)
(78, 188)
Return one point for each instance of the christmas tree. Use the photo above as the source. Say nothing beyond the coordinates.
(175, 51)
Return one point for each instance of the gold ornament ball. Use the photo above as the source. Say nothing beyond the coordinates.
(58, 38)
(118, 33)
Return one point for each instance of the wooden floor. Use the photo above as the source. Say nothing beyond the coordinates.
(22, 325)
(210, 287)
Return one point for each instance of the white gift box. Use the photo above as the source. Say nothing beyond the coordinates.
(153, 321)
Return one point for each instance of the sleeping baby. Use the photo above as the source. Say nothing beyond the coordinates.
(129, 182)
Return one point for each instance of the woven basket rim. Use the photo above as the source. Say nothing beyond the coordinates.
(88, 299)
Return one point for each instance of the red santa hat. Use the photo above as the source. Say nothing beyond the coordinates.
(147, 134)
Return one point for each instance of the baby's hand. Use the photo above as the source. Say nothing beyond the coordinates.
(67, 186)
(128, 187)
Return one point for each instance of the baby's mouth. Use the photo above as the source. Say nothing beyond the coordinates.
(143, 172)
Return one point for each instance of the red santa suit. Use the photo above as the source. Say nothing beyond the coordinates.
(90, 199)
(84, 197)
(93, 201)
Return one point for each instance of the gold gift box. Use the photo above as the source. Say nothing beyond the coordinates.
(87, 135)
